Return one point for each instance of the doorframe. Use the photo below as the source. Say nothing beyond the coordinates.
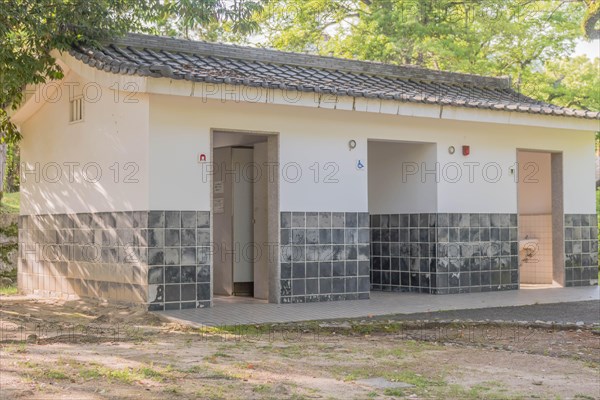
(273, 214)
(557, 210)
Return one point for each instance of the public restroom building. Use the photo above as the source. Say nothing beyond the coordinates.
(168, 172)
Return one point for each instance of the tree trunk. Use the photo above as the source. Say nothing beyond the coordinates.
(2, 168)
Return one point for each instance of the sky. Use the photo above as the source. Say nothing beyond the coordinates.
(591, 49)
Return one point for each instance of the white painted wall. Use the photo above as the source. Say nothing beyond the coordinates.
(535, 183)
(178, 135)
(317, 168)
(494, 148)
(164, 134)
(60, 160)
(398, 179)
(309, 137)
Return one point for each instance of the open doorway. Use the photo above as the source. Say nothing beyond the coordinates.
(540, 208)
(245, 211)
(402, 208)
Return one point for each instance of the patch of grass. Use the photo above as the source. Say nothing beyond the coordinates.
(413, 378)
(394, 392)
(18, 348)
(9, 290)
(291, 351)
(195, 369)
(55, 374)
(222, 375)
(121, 375)
(405, 348)
(40, 371)
(172, 389)
(222, 354)
(150, 373)
(124, 375)
(486, 390)
(264, 388)
(11, 203)
(90, 373)
(348, 374)
(210, 393)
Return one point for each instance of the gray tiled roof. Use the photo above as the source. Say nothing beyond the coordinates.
(157, 56)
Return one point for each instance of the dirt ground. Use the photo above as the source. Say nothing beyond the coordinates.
(83, 350)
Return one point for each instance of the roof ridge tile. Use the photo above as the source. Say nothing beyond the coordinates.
(154, 56)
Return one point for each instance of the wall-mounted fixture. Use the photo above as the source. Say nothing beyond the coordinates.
(352, 144)
(530, 247)
(466, 150)
(451, 150)
(76, 110)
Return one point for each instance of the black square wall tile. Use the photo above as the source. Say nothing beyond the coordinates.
(188, 237)
(363, 220)
(312, 269)
(156, 219)
(155, 275)
(203, 274)
(172, 293)
(338, 285)
(298, 287)
(324, 285)
(188, 274)
(312, 220)
(172, 237)
(298, 220)
(172, 219)
(173, 274)
(188, 292)
(286, 220)
(351, 220)
(203, 291)
(203, 219)
(188, 219)
(298, 270)
(312, 286)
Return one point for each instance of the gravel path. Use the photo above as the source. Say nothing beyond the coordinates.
(586, 311)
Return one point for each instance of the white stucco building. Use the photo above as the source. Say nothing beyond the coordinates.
(166, 172)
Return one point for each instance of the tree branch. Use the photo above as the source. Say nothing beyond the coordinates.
(590, 20)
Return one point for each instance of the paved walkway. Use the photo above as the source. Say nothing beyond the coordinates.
(231, 313)
(587, 312)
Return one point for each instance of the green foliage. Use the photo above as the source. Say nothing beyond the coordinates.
(524, 39)
(570, 82)
(12, 178)
(10, 203)
(472, 36)
(11, 230)
(31, 29)
(223, 20)
(5, 250)
(590, 21)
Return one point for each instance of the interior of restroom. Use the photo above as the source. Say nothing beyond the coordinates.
(535, 209)
(402, 208)
(240, 215)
